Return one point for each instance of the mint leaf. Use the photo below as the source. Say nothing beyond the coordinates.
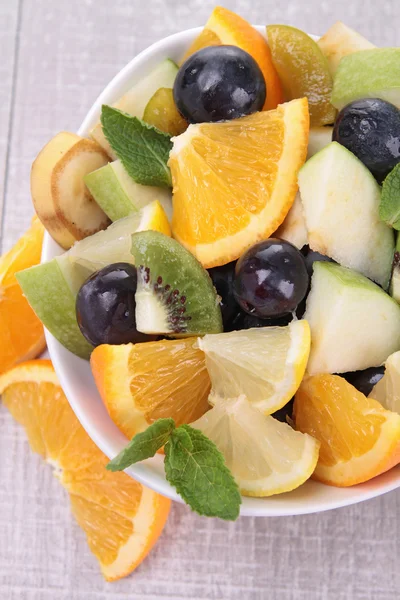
(142, 149)
(197, 470)
(389, 209)
(143, 445)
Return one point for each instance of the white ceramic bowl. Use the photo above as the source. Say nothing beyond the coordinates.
(79, 387)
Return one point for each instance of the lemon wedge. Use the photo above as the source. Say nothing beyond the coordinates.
(265, 456)
(266, 364)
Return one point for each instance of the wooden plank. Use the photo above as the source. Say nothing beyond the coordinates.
(9, 25)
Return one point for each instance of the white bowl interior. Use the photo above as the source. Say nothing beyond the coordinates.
(78, 384)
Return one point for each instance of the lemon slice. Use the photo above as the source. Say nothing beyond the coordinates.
(265, 456)
(114, 244)
(387, 390)
(265, 364)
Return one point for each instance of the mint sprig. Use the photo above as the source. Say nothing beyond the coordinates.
(143, 445)
(142, 149)
(389, 208)
(193, 465)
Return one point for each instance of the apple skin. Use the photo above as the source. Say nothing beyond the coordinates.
(354, 323)
(50, 289)
(118, 195)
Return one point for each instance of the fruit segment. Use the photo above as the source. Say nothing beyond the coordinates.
(175, 295)
(318, 139)
(226, 27)
(341, 207)
(61, 199)
(21, 332)
(368, 74)
(359, 438)
(265, 456)
(234, 182)
(387, 389)
(119, 195)
(161, 112)
(50, 289)
(135, 100)
(339, 41)
(265, 365)
(121, 519)
(140, 383)
(303, 71)
(293, 228)
(354, 323)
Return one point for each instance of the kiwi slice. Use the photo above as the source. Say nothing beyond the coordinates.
(175, 295)
(161, 112)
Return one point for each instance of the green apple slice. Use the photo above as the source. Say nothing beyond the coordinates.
(368, 74)
(51, 289)
(354, 323)
(135, 100)
(293, 229)
(339, 41)
(119, 195)
(341, 207)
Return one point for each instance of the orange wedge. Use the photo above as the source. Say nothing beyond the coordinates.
(21, 332)
(224, 27)
(234, 182)
(121, 518)
(140, 383)
(359, 438)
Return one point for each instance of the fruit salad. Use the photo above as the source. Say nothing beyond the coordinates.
(232, 261)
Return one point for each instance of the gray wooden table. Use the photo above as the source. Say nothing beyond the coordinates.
(55, 57)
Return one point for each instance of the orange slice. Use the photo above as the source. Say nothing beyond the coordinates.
(359, 438)
(121, 518)
(21, 332)
(234, 182)
(140, 383)
(224, 27)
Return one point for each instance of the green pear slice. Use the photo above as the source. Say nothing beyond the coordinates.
(339, 41)
(119, 195)
(135, 100)
(368, 74)
(354, 323)
(341, 207)
(51, 289)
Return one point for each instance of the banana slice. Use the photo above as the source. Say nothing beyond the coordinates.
(62, 201)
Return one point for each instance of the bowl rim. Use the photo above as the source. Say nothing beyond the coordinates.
(304, 500)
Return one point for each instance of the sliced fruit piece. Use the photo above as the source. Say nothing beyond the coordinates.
(135, 100)
(359, 438)
(339, 41)
(303, 71)
(140, 383)
(318, 138)
(226, 27)
(114, 244)
(387, 390)
(161, 112)
(175, 295)
(265, 456)
(354, 323)
(235, 182)
(50, 289)
(347, 229)
(119, 195)
(121, 518)
(293, 228)
(395, 278)
(61, 199)
(21, 332)
(368, 74)
(265, 364)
